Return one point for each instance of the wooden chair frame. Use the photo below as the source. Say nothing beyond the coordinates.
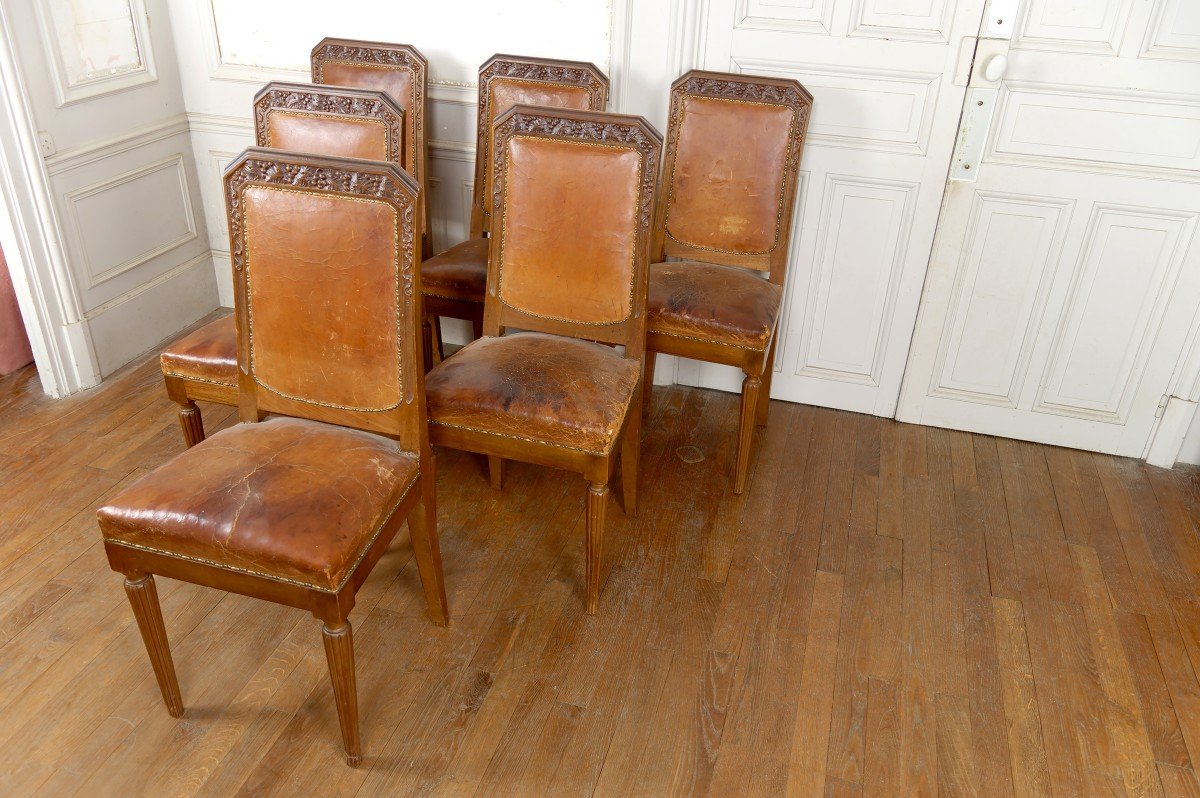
(758, 365)
(406, 423)
(627, 132)
(322, 102)
(502, 67)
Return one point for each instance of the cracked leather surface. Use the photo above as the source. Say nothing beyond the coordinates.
(459, 273)
(327, 135)
(534, 386)
(312, 256)
(208, 354)
(285, 498)
(728, 174)
(569, 229)
(725, 304)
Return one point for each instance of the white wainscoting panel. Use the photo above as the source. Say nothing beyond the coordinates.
(877, 109)
(129, 219)
(1090, 26)
(917, 20)
(1007, 263)
(802, 16)
(1123, 281)
(1048, 123)
(1174, 31)
(855, 282)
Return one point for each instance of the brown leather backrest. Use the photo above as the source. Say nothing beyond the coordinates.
(508, 80)
(327, 291)
(730, 170)
(397, 69)
(573, 198)
(324, 120)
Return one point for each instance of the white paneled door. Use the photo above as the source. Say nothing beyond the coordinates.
(886, 111)
(103, 91)
(1065, 280)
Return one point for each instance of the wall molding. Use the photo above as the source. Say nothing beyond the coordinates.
(96, 151)
(204, 258)
(73, 198)
(924, 87)
(68, 94)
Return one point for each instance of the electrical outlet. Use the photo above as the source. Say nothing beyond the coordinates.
(46, 143)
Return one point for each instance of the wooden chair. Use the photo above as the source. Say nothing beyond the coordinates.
(725, 214)
(402, 72)
(455, 281)
(572, 198)
(322, 120)
(297, 509)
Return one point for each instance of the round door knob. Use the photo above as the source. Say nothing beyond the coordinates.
(996, 67)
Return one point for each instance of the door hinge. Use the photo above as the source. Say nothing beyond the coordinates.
(1162, 406)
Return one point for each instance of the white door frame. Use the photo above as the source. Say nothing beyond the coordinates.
(31, 238)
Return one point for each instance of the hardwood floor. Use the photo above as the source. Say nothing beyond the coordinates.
(888, 610)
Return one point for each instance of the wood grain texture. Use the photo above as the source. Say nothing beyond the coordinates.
(886, 610)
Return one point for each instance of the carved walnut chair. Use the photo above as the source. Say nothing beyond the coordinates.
(298, 508)
(572, 199)
(725, 214)
(400, 71)
(455, 281)
(299, 117)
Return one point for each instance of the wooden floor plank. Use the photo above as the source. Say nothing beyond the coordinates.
(887, 610)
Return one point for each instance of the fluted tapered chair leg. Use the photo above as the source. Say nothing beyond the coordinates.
(143, 597)
(751, 387)
(339, 651)
(597, 503)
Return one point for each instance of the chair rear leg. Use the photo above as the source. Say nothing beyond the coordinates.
(422, 528)
(143, 597)
(648, 379)
(751, 387)
(764, 396)
(496, 471)
(190, 420)
(597, 502)
(631, 449)
(339, 651)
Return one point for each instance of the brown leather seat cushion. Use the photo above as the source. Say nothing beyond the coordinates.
(287, 499)
(458, 273)
(702, 301)
(535, 387)
(208, 354)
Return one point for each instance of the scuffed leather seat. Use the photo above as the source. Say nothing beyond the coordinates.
(536, 387)
(458, 273)
(208, 354)
(703, 301)
(287, 499)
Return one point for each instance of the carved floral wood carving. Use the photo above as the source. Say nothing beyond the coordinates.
(335, 102)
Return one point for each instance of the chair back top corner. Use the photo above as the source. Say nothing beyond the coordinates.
(508, 80)
(572, 206)
(731, 169)
(325, 255)
(397, 69)
(329, 120)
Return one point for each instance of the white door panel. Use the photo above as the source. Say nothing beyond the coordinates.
(885, 112)
(1064, 283)
(103, 87)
